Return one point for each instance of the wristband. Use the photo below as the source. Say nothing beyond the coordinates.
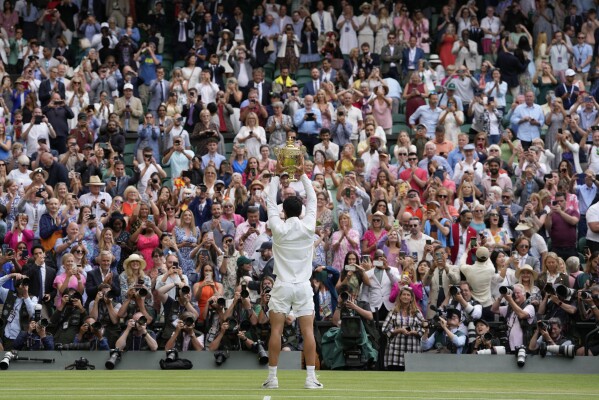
(593, 307)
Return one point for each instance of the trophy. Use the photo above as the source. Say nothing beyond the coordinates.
(289, 157)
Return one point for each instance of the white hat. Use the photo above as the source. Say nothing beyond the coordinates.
(104, 25)
(570, 72)
(434, 59)
(128, 86)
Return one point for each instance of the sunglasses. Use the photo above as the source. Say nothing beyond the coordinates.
(228, 241)
(376, 220)
(402, 154)
(506, 197)
(412, 158)
(78, 251)
(442, 196)
(493, 215)
(479, 210)
(413, 226)
(524, 246)
(169, 208)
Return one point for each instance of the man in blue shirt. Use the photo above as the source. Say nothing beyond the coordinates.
(428, 115)
(582, 55)
(587, 196)
(308, 122)
(529, 118)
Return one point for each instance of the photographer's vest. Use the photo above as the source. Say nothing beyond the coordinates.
(171, 314)
(527, 329)
(444, 345)
(67, 326)
(9, 305)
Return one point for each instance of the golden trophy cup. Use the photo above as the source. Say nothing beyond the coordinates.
(290, 158)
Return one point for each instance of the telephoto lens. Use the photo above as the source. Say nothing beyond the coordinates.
(221, 302)
(454, 290)
(344, 296)
(113, 359)
(96, 326)
(172, 355)
(471, 332)
(262, 353)
(189, 321)
(185, 290)
(44, 323)
(505, 290)
(142, 292)
(245, 293)
(521, 356)
(5, 362)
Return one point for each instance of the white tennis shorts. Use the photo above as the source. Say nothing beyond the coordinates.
(285, 297)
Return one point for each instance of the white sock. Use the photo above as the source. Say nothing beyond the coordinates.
(310, 370)
(272, 372)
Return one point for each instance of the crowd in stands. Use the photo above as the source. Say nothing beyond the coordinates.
(454, 150)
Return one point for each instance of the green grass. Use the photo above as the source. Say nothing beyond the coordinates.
(244, 384)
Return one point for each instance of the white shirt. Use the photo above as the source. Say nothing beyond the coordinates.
(593, 216)
(207, 92)
(293, 239)
(143, 180)
(88, 198)
(173, 292)
(37, 132)
(22, 178)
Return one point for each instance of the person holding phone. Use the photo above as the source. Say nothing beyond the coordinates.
(38, 128)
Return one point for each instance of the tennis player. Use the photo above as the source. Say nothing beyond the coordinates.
(292, 248)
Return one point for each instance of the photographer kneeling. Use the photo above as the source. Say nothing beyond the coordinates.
(91, 333)
(185, 337)
(484, 338)
(350, 341)
(136, 336)
(447, 338)
(34, 338)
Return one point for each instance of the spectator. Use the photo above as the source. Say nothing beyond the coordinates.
(561, 226)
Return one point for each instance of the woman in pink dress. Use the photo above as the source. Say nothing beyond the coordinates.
(381, 108)
(374, 233)
(446, 45)
(73, 277)
(146, 238)
(344, 240)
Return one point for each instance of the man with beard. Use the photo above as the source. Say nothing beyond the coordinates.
(494, 178)
(129, 109)
(218, 226)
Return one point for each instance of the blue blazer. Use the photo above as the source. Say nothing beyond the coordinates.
(309, 89)
(406, 58)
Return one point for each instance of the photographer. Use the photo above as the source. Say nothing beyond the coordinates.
(587, 305)
(548, 332)
(556, 305)
(18, 308)
(440, 276)
(461, 299)
(175, 306)
(447, 339)
(519, 314)
(216, 326)
(353, 331)
(67, 319)
(34, 338)
(104, 309)
(135, 301)
(324, 280)
(484, 338)
(92, 332)
(136, 336)
(184, 337)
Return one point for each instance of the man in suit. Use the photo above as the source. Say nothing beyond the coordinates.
(103, 82)
(41, 276)
(573, 19)
(159, 89)
(264, 88)
(466, 51)
(216, 71)
(368, 60)
(116, 185)
(391, 55)
(191, 110)
(462, 233)
(410, 56)
(322, 19)
(327, 73)
(312, 87)
(258, 43)
(129, 109)
(103, 274)
(201, 206)
(183, 41)
(210, 30)
(49, 86)
(382, 277)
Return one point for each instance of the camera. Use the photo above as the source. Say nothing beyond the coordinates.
(487, 337)
(141, 320)
(113, 359)
(172, 355)
(543, 325)
(454, 290)
(189, 322)
(220, 357)
(8, 357)
(258, 348)
(344, 296)
(549, 289)
(244, 290)
(96, 326)
(142, 292)
(564, 291)
(507, 290)
(521, 356)
(587, 295)
(73, 346)
(109, 295)
(561, 350)
(185, 290)
(499, 350)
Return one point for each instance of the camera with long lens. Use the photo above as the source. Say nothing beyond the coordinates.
(233, 328)
(568, 351)
(434, 324)
(543, 325)
(6, 360)
(549, 289)
(521, 356)
(220, 357)
(495, 350)
(109, 296)
(189, 322)
(258, 348)
(37, 317)
(73, 346)
(344, 296)
(113, 359)
(141, 321)
(185, 290)
(96, 326)
(487, 337)
(506, 290)
(172, 355)
(245, 293)
(141, 292)
(454, 290)
(586, 295)
(564, 291)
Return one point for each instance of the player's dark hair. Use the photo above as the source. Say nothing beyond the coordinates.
(292, 206)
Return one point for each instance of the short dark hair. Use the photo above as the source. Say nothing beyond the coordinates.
(292, 206)
(37, 246)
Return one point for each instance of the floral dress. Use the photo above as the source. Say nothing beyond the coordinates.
(90, 241)
(12, 215)
(187, 263)
(344, 247)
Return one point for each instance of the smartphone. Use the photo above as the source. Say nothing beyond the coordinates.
(468, 199)
(365, 259)
(253, 225)
(554, 203)
(113, 179)
(377, 263)
(210, 235)
(429, 242)
(208, 276)
(402, 253)
(439, 174)
(560, 130)
(37, 120)
(472, 242)
(351, 268)
(347, 192)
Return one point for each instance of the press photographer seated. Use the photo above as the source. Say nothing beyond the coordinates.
(185, 337)
(91, 334)
(68, 317)
(483, 339)
(447, 338)
(136, 336)
(349, 340)
(548, 333)
(34, 338)
(104, 309)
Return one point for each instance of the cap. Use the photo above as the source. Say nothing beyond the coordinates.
(440, 168)
(482, 253)
(570, 72)
(265, 246)
(243, 260)
(453, 311)
(128, 86)
(480, 321)
(451, 86)
(82, 116)
(421, 126)
(469, 146)
(219, 182)
(87, 146)
(523, 226)
(284, 173)
(104, 25)
(595, 128)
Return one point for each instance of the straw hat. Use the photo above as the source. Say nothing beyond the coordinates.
(256, 182)
(135, 257)
(528, 268)
(379, 215)
(38, 171)
(94, 180)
